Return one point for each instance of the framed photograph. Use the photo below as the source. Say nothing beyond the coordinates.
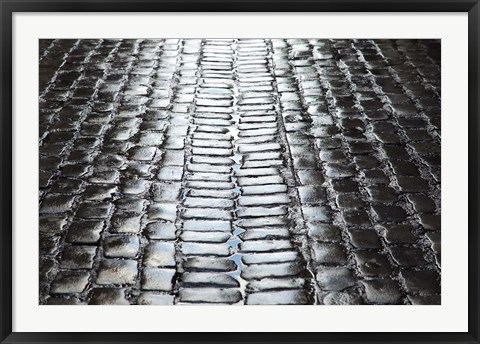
(207, 171)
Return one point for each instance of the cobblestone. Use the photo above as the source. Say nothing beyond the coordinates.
(239, 171)
(113, 271)
(69, 282)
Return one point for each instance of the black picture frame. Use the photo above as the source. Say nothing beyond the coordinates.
(8, 7)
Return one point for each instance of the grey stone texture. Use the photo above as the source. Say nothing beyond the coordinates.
(239, 171)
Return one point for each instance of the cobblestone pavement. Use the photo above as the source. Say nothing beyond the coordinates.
(239, 171)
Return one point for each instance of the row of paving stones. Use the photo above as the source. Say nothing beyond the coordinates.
(102, 149)
(207, 240)
(375, 232)
(239, 171)
(275, 268)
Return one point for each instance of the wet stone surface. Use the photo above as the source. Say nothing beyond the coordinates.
(239, 172)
